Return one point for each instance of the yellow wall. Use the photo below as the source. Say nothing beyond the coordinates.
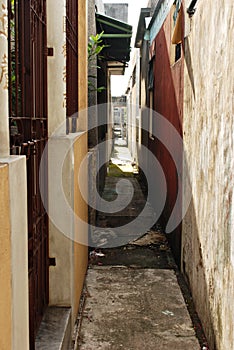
(5, 261)
(80, 150)
(81, 210)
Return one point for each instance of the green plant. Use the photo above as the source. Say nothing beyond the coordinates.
(95, 48)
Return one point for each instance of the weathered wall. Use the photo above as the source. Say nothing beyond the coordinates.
(143, 160)
(66, 278)
(100, 6)
(5, 261)
(14, 313)
(56, 38)
(152, 4)
(68, 234)
(92, 116)
(81, 210)
(118, 11)
(208, 228)
(133, 107)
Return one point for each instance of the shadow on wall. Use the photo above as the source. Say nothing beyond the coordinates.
(188, 61)
(168, 101)
(193, 269)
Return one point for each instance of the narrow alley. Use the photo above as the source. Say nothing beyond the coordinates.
(116, 175)
(132, 297)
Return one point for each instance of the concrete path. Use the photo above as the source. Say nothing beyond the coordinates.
(135, 309)
(132, 299)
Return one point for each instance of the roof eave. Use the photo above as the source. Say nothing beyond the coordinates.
(145, 12)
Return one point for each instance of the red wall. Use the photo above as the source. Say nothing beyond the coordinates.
(168, 101)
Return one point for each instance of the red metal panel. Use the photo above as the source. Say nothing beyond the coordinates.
(168, 101)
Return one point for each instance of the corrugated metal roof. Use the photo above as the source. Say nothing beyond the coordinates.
(117, 36)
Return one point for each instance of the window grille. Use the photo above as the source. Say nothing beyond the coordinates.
(27, 67)
(72, 64)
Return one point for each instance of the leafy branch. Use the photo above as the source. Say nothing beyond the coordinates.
(95, 48)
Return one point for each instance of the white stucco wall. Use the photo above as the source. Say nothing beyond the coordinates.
(133, 113)
(19, 241)
(66, 229)
(15, 210)
(208, 128)
(18, 250)
(66, 278)
(56, 39)
(61, 223)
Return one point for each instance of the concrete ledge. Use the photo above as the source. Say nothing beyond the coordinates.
(55, 329)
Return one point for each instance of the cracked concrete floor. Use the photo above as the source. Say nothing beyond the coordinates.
(131, 308)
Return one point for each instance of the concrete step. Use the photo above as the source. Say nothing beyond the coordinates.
(55, 329)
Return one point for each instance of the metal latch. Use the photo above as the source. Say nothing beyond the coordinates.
(50, 51)
(52, 261)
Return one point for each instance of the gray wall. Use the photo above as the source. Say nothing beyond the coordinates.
(117, 11)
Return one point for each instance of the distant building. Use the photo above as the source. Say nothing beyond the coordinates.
(119, 115)
(117, 11)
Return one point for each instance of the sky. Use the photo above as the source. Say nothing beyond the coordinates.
(119, 83)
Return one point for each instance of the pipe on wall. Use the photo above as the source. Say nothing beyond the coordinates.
(191, 9)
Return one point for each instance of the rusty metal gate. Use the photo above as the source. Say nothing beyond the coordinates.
(28, 135)
(72, 63)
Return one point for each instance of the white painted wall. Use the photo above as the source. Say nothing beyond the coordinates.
(56, 39)
(65, 227)
(18, 204)
(64, 160)
(19, 251)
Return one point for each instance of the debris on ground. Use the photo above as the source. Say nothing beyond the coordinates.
(101, 236)
(133, 287)
(94, 254)
(168, 313)
(138, 308)
(151, 237)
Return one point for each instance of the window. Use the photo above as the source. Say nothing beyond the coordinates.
(176, 34)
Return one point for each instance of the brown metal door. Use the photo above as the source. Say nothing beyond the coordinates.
(28, 135)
